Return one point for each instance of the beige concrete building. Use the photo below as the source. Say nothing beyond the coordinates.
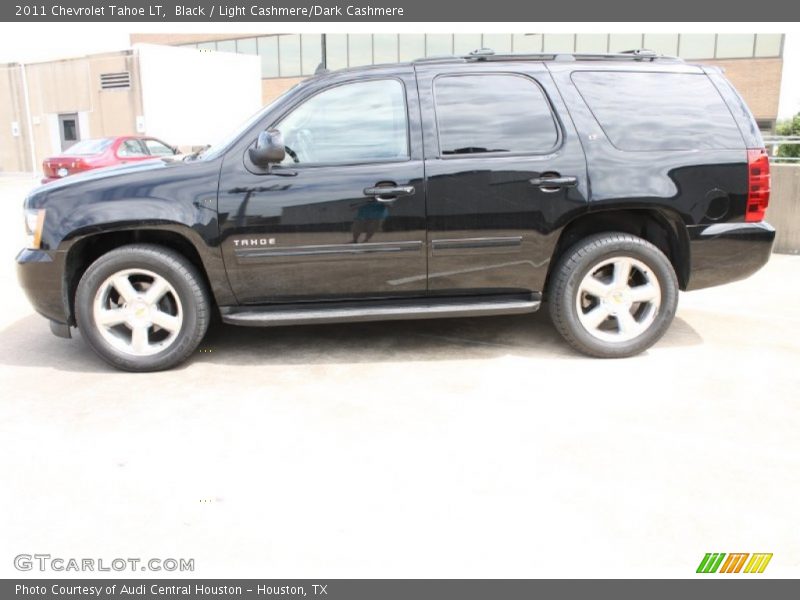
(753, 62)
(68, 100)
(45, 107)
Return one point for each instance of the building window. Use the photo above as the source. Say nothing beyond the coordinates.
(769, 44)
(735, 45)
(696, 45)
(384, 48)
(336, 45)
(359, 48)
(622, 42)
(412, 46)
(527, 42)
(247, 46)
(464, 43)
(662, 43)
(438, 44)
(289, 55)
(591, 43)
(226, 46)
(559, 42)
(311, 46)
(466, 127)
(499, 42)
(268, 51)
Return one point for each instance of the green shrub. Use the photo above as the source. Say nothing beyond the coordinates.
(789, 127)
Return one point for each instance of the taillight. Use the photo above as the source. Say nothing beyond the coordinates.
(757, 184)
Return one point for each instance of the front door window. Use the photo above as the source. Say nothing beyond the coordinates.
(359, 122)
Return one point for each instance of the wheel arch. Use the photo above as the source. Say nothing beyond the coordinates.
(83, 251)
(661, 227)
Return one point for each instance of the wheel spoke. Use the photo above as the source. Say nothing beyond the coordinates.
(622, 272)
(123, 285)
(139, 339)
(627, 324)
(166, 321)
(594, 287)
(109, 318)
(595, 317)
(643, 293)
(156, 290)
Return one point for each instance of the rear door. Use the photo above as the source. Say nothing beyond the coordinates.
(505, 171)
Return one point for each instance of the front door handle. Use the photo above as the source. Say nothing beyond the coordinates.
(388, 193)
(551, 184)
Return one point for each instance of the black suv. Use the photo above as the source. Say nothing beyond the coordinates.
(457, 186)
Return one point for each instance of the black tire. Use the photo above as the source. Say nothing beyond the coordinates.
(187, 285)
(577, 262)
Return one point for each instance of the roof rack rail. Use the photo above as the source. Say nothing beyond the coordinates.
(488, 55)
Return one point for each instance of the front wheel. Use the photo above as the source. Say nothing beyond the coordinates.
(613, 295)
(142, 307)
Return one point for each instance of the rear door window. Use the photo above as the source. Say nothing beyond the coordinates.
(493, 113)
(659, 111)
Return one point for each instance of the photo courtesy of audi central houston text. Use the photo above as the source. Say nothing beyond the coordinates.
(594, 185)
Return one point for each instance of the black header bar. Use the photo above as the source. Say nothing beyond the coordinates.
(517, 11)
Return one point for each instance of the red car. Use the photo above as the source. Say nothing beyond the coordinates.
(103, 152)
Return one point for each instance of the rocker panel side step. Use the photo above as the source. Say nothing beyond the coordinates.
(379, 310)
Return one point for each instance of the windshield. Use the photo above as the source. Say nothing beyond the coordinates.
(88, 147)
(214, 150)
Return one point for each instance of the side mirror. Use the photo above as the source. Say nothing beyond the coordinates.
(269, 149)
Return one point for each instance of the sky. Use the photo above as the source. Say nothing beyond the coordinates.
(64, 40)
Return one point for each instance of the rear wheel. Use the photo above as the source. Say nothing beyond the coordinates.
(142, 307)
(613, 295)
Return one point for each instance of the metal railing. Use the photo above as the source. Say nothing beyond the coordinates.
(773, 142)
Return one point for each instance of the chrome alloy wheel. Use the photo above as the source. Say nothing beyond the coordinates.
(618, 299)
(137, 312)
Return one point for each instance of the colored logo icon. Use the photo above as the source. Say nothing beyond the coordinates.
(734, 563)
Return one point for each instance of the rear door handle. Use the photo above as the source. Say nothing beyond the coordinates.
(554, 182)
(388, 193)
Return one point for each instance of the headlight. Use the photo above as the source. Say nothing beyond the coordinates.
(34, 222)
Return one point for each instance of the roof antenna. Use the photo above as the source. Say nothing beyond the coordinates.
(321, 69)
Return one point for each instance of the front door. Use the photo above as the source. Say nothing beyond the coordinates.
(343, 217)
(68, 130)
(505, 172)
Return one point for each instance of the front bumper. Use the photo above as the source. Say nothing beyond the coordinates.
(726, 252)
(40, 273)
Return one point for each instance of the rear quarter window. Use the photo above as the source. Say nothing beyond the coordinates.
(659, 111)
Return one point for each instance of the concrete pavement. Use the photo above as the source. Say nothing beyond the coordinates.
(457, 448)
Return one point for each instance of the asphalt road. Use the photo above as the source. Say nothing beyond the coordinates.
(456, 448)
